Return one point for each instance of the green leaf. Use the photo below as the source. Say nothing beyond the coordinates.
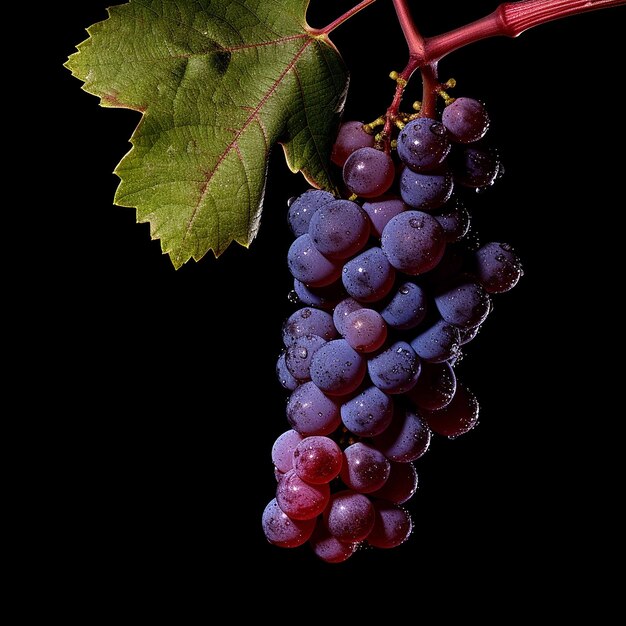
(219, 83)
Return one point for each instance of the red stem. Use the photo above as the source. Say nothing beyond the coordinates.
(510, 20)
(341, 19)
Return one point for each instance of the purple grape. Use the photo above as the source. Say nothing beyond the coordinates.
(413, 242)
(281, 530)
(466, 120)
(392, 527)
(423, 144)
(300, 500)
(425, 191)
(435, 387)
(407, 308)
(320, 297)
(284, 375)
(396, 369)
(440, 342)
(406, 439)
(337, 369)
(475, 168)
(282, 450)
(329, 548)
(365, 330)
(351, 137)
(454, 220)
(311, 412)
(498, 268)
(369, 276)
(341, 312)
(401, 484)
(307, 264)
(317, 460)
(364, 468)
(368, 172)
(367, 414)
(457, 417)
(299, 354)
(380, 210)
(349, 516)
(308, 321)
(339, 229)
(464, 304)
(303, 207)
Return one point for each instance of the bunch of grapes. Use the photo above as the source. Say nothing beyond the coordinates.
(391, 289)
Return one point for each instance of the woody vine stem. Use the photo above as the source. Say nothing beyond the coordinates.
(509, 19)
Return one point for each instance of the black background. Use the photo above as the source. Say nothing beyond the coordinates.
(164, 380)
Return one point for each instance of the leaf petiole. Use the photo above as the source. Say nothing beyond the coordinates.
(341, 19)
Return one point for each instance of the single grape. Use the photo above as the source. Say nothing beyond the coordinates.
(413, 242)
(407, 308)
(475, 168)
(329, 548)
(365, 330)
(392, 527)
(311, 412)
(454, 220)
(281, 530)
(301, 500)
(341, 312)
(339, 229)
(349, 516)
(320, 297)
(351, 137)
(337, 369)
(497, 267)
(401, 484)
(440, 342)
(299, 354)
(466, 120)
(368, 172)
(317, 460)
(308, 321)
(283, 448)
(303, 207)
(369, 276)
(284, 375)
(457, 417)
(423, 144)
(380, 210)
(396, 369)
(307, 264)
(464, 303)
(406, 439)
(364, 468)
(368, 413)
(425, 191)
(435, 387)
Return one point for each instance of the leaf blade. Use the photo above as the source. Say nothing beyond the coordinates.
(218, 85)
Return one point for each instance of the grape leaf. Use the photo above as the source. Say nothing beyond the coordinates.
(218, 83)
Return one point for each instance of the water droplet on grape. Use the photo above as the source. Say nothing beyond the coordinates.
(291, 201)
(303, 353)
(501, 258)
(404, 290)
(306, 313)
(292, 296)
(438, 129)
(416, 222)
